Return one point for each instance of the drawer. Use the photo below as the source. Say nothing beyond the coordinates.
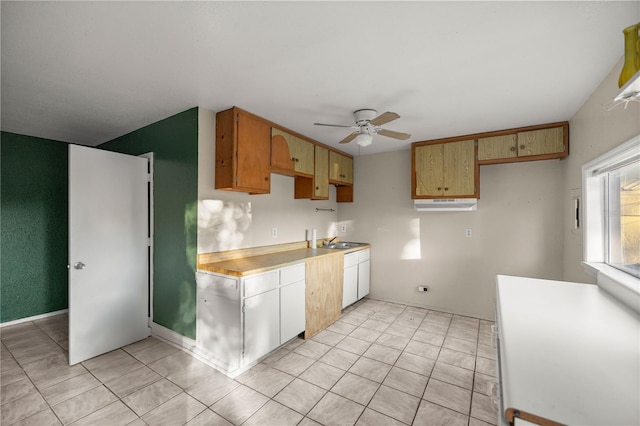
(363, 255)
(217, 284)
(292, 274)
(260, 283)
(350, 259)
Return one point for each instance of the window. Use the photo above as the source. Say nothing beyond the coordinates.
(611, 190)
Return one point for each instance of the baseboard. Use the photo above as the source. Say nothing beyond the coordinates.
(33, 318)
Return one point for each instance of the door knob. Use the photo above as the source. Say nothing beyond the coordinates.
(79, 265)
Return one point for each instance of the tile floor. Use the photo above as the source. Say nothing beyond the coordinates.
(379, 364)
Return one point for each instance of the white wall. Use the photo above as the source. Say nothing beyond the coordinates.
(593, 131)
(517, 230)
(231, 220)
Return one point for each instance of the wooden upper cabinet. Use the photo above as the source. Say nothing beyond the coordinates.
(291, 155)
(541, 142)
(340, 168)
(316, 187)
(444, 170)
(243, 149)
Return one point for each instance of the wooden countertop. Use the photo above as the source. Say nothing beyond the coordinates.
(250, 265)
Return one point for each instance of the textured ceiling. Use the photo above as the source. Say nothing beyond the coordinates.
(87, 72)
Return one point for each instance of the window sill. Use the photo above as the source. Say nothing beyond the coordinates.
(622, 286)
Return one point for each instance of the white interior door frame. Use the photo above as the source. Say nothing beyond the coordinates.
(149, 157)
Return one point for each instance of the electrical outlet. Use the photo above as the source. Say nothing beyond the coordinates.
(274, 232)
(343, 228)
(468, 232)
(423, 288)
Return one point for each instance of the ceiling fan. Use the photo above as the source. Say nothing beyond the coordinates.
(367, 124)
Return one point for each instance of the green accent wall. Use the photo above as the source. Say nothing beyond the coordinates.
(174, 143)
(33, 226)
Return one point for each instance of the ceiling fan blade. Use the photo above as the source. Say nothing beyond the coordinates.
(385, 117)
(331, 125)
(395, 135)
(349, 138)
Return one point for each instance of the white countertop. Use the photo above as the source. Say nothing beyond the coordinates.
(569, 352)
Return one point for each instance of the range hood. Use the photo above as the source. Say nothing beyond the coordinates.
(446, 205)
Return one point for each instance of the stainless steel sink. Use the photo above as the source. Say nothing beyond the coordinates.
(343, 245)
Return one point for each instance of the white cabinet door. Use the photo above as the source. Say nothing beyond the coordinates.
(350, 285)
(292, 311)
(261, 325)
(363, 279)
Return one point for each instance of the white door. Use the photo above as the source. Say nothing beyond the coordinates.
(108, 273)
(292, 311)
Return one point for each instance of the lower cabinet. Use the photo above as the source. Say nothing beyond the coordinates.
(356, 278)
(240, 320)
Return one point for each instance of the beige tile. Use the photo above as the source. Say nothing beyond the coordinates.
(449, 396)
(293, 364)
(353, 318)
(269, 381)
(84, 404)
(459, 359)
(116, 369)
(351, 344)
(105, 359)
(293, 343)
(114, 414)
(275, 356)
(241, 378)
(16, 390)
(387, 317)
(393, 341)
(415, 363)
(52, 370)
(172, 363)
(430, 414)
(375, 324)
(340, 358)
(194, 373)
(400, 330)
(365, 334)
(239, 404)
(10, 332)
(133, 381)
(308, 422)
(486, 339)
(155, 352)
(435, 339)
(312, 349)
(487, 351)
(22, 408)
(370, 369)
(177, 411)
(465, 322)
(300, 396)
(37, 352)
(423, 349)
(341, 327)
(328, 337)
(453, 375)
(460, 345)
(43, 418)
(463, 333)
(483, 408)
(214, 388)
(373, 418)
(69, 388)
(416, 312)
(484, 384)
(406, 381)
(273, 413)
(141, 345)
(149, 397)
(322, 375)
(208, 418)
(434, 327)
(8, 365)
(486, 366)
(356, 388)
(476, 422)
(382, 353)
(336, 410)
(12, 376)
(395, 404)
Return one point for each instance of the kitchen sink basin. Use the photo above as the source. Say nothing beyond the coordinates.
(343, 245)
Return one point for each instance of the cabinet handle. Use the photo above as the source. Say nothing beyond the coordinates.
(521, 146)
(446, 188)
(297, 160)
(439, 188)
(513, 148)
(293, 159)
(317, 187)
(266, 178)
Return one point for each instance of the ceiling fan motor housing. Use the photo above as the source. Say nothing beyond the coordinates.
(364, 116)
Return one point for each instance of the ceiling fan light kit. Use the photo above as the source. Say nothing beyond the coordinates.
(367, 123)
